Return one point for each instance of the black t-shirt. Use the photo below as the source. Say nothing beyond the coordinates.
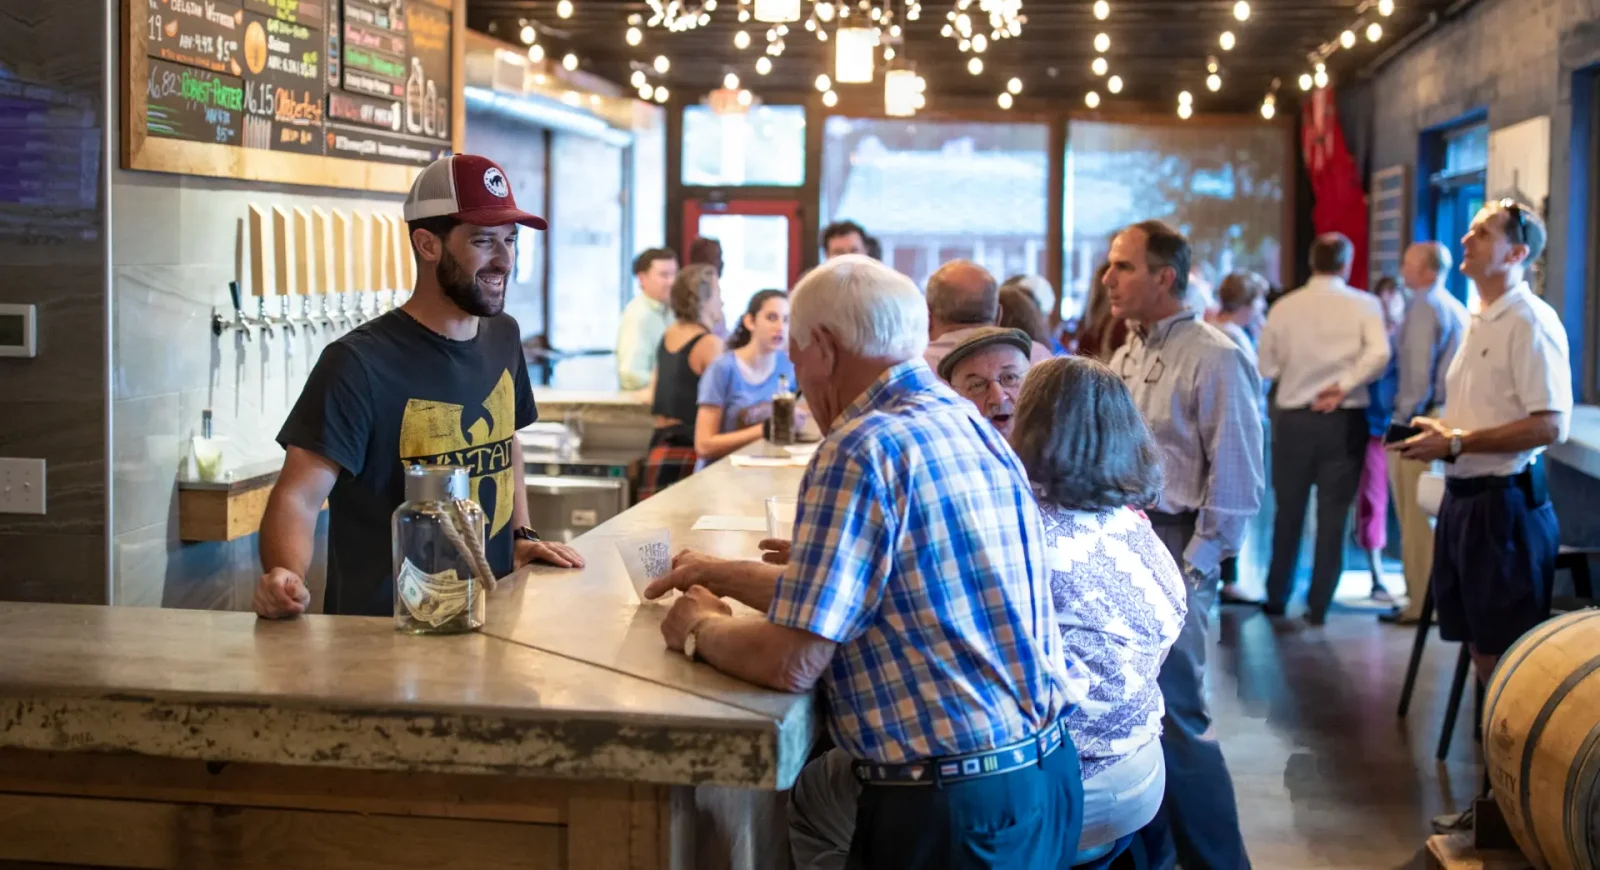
(391, 393)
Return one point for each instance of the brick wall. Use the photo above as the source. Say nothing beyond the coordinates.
(1515, 59)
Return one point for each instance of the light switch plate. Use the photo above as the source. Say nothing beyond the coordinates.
(21, 486)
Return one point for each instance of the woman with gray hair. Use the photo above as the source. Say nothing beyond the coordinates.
(1119, 597)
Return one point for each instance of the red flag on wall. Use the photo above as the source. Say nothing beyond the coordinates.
(1338, 202)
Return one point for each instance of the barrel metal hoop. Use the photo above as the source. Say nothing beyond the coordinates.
(1531, 742)
(1585, 772)
(1524, 645)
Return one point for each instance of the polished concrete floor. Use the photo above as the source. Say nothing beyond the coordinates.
(1326, 775)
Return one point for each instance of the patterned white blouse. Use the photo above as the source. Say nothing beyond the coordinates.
(1120, 601)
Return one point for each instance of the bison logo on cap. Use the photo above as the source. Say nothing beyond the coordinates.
(494, 181)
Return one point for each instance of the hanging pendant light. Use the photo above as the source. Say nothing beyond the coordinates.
(777, 11)
(901, 87)
(855, 52)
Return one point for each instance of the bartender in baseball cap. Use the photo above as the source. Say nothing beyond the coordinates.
(441, 380)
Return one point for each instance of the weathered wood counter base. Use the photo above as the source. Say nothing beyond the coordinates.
(133, 812)
(125, 811)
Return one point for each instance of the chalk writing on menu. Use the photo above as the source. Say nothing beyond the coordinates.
(393, 103)
(428, 88)
(188, 103)
(365, 79)
(198, 34)
(284, 86)
(366, 111)
(307, 12)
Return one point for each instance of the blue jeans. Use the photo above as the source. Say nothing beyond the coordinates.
(1199, 814)
(1026, 818)
(1117, 803)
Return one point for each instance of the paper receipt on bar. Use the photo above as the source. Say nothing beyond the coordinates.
(730, 524)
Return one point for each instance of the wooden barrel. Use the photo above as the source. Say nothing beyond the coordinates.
(1541, 741)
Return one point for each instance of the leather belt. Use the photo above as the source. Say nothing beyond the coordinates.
(1530, 480)
(1186, 518)
(973, 765)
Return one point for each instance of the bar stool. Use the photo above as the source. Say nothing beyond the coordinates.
(1573, 560)
(1430, 493)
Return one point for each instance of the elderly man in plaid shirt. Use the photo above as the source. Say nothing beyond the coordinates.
(916, 592)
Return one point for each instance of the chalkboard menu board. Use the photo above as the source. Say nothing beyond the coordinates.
(366, 80)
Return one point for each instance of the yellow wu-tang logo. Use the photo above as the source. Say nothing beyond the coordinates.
(441, 433)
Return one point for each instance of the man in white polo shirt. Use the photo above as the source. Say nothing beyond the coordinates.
(1508, 396)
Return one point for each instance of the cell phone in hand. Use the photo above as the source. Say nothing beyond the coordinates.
(1398, 433)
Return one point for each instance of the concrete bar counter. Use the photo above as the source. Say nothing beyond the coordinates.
(562, 735)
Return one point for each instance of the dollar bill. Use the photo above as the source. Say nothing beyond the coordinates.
(432, 598)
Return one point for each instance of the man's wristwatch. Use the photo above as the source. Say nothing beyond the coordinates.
(523, 533)
(1455, 443)
(690, 642)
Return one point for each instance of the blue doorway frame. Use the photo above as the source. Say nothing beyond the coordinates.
(1449, 191)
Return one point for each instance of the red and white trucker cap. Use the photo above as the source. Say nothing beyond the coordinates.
(472, 189)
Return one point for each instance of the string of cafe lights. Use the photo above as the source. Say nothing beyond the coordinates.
(863, 32)
(1005, 21)
(1367, 21)
(1100, 66)
(1226, 41)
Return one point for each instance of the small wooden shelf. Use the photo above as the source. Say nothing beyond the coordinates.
(225, 510)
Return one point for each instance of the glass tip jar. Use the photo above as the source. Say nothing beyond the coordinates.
(441, 575)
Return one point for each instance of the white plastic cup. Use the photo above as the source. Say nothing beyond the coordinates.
(647, 557)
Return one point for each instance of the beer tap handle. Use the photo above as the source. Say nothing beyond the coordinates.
(263, 320)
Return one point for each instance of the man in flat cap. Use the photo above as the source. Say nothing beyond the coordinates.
(986, 368)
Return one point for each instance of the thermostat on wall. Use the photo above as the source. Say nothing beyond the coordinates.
(19, 333)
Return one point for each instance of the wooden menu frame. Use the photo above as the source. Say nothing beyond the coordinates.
(142, 151)
(1387, 202)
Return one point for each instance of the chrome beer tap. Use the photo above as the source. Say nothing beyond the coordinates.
(239, 322)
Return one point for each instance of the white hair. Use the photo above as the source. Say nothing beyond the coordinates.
(870, 308)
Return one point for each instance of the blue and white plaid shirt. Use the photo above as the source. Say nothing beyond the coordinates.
(919, 549)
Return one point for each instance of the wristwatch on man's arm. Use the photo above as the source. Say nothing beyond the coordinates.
(1455, 443)
(523, 533)
(691, 641)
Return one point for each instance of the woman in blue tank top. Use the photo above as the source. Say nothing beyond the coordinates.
(736, 391)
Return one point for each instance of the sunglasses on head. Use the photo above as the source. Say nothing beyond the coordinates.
(1515, 219)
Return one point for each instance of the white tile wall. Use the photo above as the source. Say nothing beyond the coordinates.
(177, 242)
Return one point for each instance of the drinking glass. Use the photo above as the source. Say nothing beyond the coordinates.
(780, 516)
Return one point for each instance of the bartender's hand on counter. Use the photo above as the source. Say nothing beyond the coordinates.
(547, 552)
(281, 594)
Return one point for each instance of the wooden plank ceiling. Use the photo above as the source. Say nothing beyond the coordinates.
(1158, 48)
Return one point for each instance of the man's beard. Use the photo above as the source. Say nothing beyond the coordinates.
(464, 290)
